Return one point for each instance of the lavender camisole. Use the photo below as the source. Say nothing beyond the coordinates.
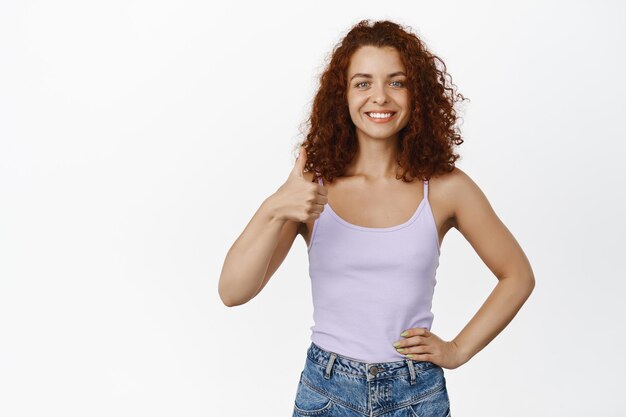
(370, 284)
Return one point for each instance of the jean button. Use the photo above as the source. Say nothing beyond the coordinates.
(374, 370)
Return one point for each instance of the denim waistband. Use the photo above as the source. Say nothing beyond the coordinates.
(367, 370)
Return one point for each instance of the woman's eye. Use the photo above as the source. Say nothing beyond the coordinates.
(398, 83)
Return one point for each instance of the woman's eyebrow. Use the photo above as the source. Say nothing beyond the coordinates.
(360, 74)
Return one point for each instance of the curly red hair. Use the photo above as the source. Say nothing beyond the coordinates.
(425, 144)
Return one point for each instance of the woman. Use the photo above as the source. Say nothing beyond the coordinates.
(373, 192)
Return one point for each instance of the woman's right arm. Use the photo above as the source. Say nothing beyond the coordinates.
(263, 245)
(247, 261)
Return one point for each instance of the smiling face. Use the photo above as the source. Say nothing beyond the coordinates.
(378, 99)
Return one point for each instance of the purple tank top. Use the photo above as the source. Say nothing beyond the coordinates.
(370, 284)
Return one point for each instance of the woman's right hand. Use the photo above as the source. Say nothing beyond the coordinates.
(297, 199)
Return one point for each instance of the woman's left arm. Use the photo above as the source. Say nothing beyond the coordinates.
(474, 217)
(476, 220)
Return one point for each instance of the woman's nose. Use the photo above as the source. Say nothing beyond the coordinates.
(379, 95)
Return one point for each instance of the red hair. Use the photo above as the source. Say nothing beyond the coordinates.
(425, 144)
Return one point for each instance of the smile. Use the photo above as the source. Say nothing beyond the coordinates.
(380, 117)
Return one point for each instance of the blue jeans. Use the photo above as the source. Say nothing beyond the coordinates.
(335, 385)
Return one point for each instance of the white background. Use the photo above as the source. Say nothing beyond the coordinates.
(138, 138)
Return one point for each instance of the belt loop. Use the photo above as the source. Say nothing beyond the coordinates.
(409, 363)
(330, 365)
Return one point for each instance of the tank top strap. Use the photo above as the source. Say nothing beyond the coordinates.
(319, 178)
(425, 189)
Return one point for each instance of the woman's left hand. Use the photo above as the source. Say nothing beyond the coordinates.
(421, 344)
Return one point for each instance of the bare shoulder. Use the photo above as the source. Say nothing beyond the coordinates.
(451, 192)
(450, 181)
(442, 191)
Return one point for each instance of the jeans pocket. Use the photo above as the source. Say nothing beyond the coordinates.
(310, 402)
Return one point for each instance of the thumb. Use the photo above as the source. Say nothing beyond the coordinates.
(298, 167)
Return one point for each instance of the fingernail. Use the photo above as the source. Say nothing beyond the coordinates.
(408, 355)
(403, 333)
(396, 344)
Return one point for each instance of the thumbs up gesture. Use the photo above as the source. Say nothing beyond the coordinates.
(297, 199)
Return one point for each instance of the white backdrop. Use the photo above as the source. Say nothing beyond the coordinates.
(138, 138)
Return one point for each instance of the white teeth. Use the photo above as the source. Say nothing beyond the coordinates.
(380, 115)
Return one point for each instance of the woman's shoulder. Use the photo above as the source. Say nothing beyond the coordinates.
(445, 190)
(451, 182)
(455, 191)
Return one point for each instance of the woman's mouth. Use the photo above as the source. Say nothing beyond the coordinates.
(380, 117)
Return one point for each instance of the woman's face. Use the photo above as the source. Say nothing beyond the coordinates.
(377, 84)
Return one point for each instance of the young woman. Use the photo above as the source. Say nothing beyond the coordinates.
(373, 192)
